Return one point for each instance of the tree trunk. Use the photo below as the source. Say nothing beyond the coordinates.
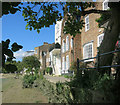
(110, 38)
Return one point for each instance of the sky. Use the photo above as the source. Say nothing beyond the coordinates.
(13, 28)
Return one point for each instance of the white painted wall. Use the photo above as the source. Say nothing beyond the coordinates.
(58, 28)
(55, 66)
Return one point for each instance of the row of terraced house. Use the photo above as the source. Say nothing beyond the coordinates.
(67, 49)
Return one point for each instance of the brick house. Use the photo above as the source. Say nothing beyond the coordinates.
(83, 45)
(42, 53)
(91, 35)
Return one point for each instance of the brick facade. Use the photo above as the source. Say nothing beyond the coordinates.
(89, 36)
(42, 53)
(74, 51)
(94, 31)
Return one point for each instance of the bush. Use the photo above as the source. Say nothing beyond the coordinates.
(73, 66)
(49, 70)
(68, 75)
(28, 80)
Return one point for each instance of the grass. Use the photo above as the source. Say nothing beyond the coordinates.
(14, 93)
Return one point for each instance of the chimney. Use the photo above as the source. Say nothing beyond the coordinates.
(45, 43)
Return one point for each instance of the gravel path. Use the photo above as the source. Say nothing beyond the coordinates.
(56, 79)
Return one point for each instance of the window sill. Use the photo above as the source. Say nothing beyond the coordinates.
(90, 60)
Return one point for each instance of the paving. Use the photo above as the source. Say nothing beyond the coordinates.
(56, 79)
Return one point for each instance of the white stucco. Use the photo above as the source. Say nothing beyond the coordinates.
(58, 28)
(55, 61)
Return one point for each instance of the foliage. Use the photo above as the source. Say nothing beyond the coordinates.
(10, 68)
(100, 85)
(10, 7)
(31, 62)
(70, 75)
(19, 66)
(49, 70)
(59, 87)
(81, 84)
(28, 80)
(73, 67)
(103, 18)
(41, 76)
(7, 53)
(13, 66)
(48, 13)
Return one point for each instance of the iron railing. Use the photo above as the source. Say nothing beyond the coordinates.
(98, 60)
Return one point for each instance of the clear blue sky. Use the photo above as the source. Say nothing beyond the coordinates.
(13, 28)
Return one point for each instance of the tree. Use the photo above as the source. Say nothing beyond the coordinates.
(20, 66)
(7, 53)
(31, 62)
(10, 7)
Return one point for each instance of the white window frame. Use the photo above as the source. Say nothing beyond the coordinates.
(67, 43)
(63, 63)
(71, 42)
(63, 46)
(98, 39)
(67, 62)
(91, 43)
(87, 28)
(104, 7)
(54, 57)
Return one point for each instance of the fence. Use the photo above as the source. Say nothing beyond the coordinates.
(98, 60)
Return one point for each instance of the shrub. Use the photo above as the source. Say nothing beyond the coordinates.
(28, 80)
(49, 70)
(73, 66)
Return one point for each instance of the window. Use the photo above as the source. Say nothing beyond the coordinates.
(54, 59)
(67, 43)
(67, 62)
(64, 26)
(100, 38)
(87, 23)
(36, 51)
(57, 28)
(88, 51)
(63, 46)
(72, 43)
(63, 63)
(105, 5)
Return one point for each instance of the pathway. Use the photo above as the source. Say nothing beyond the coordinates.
(56, 79)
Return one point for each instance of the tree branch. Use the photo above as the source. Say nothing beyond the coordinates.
(96, 11)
